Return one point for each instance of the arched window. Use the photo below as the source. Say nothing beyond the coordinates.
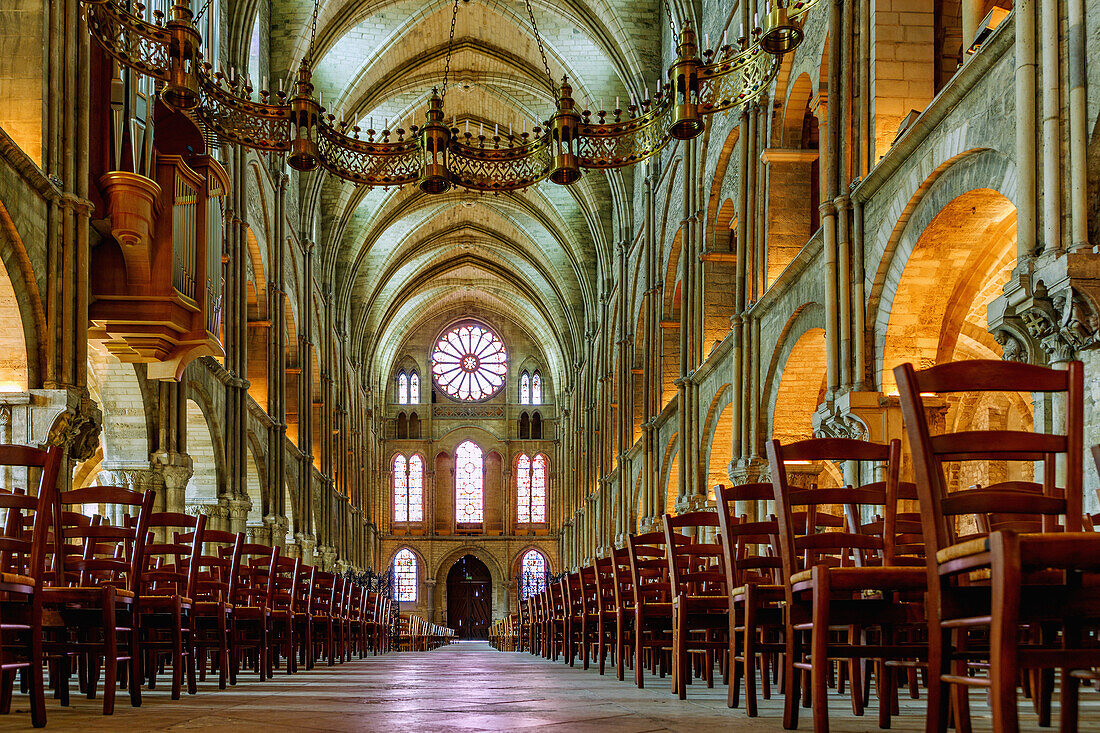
(254, 57)
(404, 574)
(408, 489)
(414, 389)
(469, 483)
(525, 389)
(536, 389)
(402, 388)
(531, 489)
(534, 573)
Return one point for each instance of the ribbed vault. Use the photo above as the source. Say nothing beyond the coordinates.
(397, 258)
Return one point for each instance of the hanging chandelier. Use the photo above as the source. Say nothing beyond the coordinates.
(437, 156)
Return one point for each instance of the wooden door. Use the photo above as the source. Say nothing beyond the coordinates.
(469, 598)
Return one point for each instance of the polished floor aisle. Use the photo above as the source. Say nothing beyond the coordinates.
(464, 687)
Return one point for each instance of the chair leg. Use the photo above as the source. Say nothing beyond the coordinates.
(1067, 721)
(1003, 661)
(791, 679)
(177, 651)
(748, 652)
(819, 653)
(110, 658)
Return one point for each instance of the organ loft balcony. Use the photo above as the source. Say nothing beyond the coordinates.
(156, 274)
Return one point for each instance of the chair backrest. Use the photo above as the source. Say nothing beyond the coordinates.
(746, 544)
(649, 568)
(808, 536)
(557, 599)
(694, 568)
(98, 553)
(574, 598)
(24, 542)
(624, 583)
(218, 566)
(254, 583)
(171, 564)
(323, 594)
(355, 601)
(304, 591)
(285, 584)
(1042, 502)
(603, 573)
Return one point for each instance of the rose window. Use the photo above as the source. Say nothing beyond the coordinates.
(469, 363)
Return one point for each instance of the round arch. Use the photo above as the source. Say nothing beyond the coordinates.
(718, 438)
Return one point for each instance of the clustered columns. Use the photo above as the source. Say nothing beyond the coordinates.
(624, 418)
(304, 521)
(275, 514)
(651, 366)
(692, 490)
(235, 493)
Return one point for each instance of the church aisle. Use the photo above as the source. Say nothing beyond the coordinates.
(464, 687)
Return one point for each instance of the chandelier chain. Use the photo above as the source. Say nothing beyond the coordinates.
(450, 47)
(198, 15)
(542, 50)
(313, 30)
(671, 22)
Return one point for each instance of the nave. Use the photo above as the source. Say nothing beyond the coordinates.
(467, 686)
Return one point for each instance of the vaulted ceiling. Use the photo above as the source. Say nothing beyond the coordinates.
(398, 258)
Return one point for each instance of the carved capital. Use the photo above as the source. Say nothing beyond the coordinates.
(78, 429)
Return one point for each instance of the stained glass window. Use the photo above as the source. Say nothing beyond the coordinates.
(408, 489)
(402, 389)
(400, 489)
(469, 483)
(536, 389)
(416, 489)
(531, 489)
(414, 389)
(525, 389)
(469, 363)
(533, 574)
(404, 573)
(523, 489)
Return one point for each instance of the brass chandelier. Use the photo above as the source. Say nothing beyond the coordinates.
(436, 156)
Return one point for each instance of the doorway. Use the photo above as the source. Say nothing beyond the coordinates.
(469, 598)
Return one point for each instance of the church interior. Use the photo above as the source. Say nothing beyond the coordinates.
(618, 365)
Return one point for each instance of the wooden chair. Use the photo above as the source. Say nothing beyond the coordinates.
(165, 599)
(324, 616)
(604, 609)
(700, 598)
(582, 620)
(756, 625)
(91, 601)
(652, 603)
(830, 584)
(556, 633)
(1036, 579)
(283, 601)
(624, 610)
(212, 608)
(24, 545)
(303, 617)
(251, 598)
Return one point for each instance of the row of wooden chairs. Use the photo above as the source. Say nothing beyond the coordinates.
(414, 634)
(95, 581)
(504, 633)
(813, 588)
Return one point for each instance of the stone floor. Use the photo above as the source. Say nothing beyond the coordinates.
(464, 687)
